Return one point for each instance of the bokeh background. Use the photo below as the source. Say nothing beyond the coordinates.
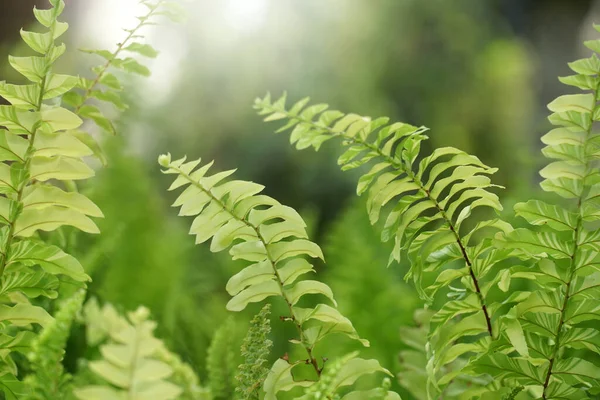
(477, 72)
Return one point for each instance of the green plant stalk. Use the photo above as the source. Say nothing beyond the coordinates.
(311, 359)
(573, 261)
(415, 180)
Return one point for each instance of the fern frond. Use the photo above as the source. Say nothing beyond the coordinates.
(272, 237)
(430, 219)
(221, 362)
(129, 365)
(105, 87)
(131, 45)
(255, 350)
(48, 380)
(552, 321)
(38, 153)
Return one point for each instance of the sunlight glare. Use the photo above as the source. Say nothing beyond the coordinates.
(245, 15)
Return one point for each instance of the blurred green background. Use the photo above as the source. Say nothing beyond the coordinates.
(477, 72)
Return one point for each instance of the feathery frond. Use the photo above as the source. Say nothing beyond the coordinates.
(221, 362)
(106, 87)
(273, 238)
(38, 153)
(48, 380)
(255, 350)
(552, 320)
(129, 364)
(430, 219)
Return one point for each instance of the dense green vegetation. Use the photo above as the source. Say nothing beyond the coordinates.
(462, 296)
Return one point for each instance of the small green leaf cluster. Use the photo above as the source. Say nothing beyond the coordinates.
(255, 351)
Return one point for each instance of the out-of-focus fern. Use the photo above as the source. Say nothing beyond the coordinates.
(221, 362)
(183, 376)
(130, 366)
(105, 86)
(258, 229)
(255, 350)
(48, 380)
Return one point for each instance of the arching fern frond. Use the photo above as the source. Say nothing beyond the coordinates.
(272, 237)
(554, 318)
(129, 365)
(431, 204)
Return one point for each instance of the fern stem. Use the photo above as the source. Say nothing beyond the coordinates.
(573, 262)
(120, 47)
(311, 359)
(398, 165)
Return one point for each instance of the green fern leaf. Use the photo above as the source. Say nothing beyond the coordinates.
(272, 237)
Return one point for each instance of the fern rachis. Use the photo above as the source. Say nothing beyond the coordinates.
(258, 229)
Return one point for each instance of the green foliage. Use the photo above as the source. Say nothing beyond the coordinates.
(531, 344)
(255, 350)
(183, 376)
(106, 87)
(48, 380)
(343, 372)
(39, 152)
(430, 221)
(221, 362)
(355, 254)
(129, 367)
(553, 322)
(258, 229)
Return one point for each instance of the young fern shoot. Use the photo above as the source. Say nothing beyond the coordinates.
(273, 238)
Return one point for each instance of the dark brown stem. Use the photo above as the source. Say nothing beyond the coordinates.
(398, 165)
